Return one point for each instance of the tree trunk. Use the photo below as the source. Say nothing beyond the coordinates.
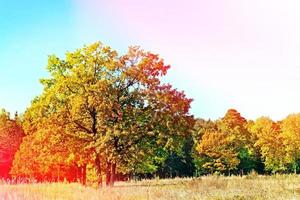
(99, 171)
(77, 174)
(113, 174)
(58, 173)
(83, 175)
(108, 173)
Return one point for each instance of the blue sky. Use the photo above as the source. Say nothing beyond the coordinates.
(224, 53)
(29, 32)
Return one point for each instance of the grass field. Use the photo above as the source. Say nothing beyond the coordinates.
(210, 187)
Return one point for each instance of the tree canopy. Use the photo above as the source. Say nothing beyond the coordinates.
(116, 106)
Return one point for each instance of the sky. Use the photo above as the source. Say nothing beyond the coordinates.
(242, 54)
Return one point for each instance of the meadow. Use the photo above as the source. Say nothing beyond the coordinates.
(206, 188)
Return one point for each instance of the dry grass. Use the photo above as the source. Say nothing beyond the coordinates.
(210, 187)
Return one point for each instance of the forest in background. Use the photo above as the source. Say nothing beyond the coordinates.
(103, 117)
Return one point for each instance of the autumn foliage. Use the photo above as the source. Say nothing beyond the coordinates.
(104, 117)
(11, 135)
(234, 145)
(104, 110)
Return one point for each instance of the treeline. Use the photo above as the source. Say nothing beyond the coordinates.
(104, 117)
(234, 145)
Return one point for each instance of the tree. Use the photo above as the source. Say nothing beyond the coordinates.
(269, 142)
(234, 125)
(116, 105)
(50, 155)
(241, 140)
(11, 135)
(201, 127)
(217, 153)
(227, 146)
(290, 127)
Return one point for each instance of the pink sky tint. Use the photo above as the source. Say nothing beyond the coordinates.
(224, 53)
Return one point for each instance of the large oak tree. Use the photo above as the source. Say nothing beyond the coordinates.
(115, 105)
